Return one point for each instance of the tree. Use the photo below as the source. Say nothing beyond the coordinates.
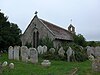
(80, 40)
(9, 33)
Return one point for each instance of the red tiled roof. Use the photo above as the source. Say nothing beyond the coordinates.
(60, 33)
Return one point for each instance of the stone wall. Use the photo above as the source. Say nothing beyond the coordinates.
(27, 36)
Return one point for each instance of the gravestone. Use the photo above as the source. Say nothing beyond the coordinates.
(24, 53)
(97, 51)
(5, 63)
(61, 51)
(40, 49)
(46, 63)
(96, 64)
(11, 53)
(44, 49)
(16, 52)
(90, 50)
(11, 65)
(52, 50)
(69, 53)
(33, 55)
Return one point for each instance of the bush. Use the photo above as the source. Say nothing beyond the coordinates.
(46, 41)
(80, 54)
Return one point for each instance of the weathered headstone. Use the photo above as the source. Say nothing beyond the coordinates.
(52, 50)
(90, 50)
(44, 49)
(24, 53)
(16, 52)
(40, 49)
(46, 63)
(5, 63)
(33, 55)
(69, 53)
(97, 51)
(96, 64)
(11, 65)
(61, 51)
(11, 53)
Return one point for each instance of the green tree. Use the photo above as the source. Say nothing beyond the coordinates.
(9, 33)
(80, 40)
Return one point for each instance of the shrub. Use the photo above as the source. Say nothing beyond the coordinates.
(46, 41)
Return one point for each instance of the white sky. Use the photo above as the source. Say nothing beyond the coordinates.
(84, 13)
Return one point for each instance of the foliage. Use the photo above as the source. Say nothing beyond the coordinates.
(46, 41)
(80, 54)
(29, 45)
(52, 56)
(93, 43)
(80, 40)
(9, 33)
(56, 68)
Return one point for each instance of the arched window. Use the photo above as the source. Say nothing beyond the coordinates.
(35, 38)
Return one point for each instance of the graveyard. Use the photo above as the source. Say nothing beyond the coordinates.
(57, 68)
(57, 52)
(36, 64)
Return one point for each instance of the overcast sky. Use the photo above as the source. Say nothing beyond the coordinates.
(85, 14)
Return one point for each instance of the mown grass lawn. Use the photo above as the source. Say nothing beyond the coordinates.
(56, 68)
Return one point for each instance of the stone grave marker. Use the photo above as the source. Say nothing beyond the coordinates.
(33, 55)
(40, 49)
(90, 50)
(52, 50)
(69, 52)
(16, 52)
(96, 64)
(46, 63)
(10, 52)
(61, 51)
(24, 53)
(44, 49)
(97, 51)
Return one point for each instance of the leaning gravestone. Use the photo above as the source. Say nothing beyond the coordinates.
(11, 53)
(24, 53)
(16, 52)
(33, 55)
(69, 52)
(61, 51)
(52, 50)
(40, 49)
(44, 49)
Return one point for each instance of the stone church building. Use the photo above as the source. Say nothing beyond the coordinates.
(39, 28)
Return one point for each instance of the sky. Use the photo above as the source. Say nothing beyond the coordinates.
(85, 14)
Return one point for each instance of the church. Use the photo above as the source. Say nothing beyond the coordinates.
(39, 28)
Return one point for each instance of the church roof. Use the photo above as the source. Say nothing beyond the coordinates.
(60, 33)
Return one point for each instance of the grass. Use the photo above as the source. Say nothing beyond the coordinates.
(56, 68)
